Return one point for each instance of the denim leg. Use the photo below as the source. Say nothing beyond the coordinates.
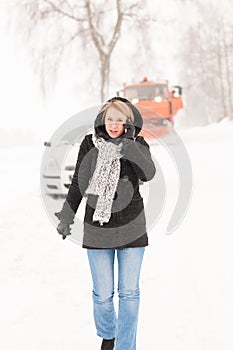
(101, 263)
(129, 266)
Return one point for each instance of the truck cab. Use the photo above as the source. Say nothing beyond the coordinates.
(157, 102)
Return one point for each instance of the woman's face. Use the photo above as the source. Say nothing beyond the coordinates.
(114, 121)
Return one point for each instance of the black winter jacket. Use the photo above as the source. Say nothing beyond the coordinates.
(127, 225)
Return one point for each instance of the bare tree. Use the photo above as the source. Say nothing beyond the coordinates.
(207, 64)
(63, 24)
(220, 76)
(228, 71)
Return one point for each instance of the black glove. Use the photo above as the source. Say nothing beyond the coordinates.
(66, 215)
(130, 130)
(63, 229)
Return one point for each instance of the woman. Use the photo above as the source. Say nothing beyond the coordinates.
(109, 167)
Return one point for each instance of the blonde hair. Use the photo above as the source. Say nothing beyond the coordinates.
(120, 106)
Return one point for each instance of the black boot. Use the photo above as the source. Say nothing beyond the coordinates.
(107, 344)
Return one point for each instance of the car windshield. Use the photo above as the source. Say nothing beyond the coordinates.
(146, 92)
(75, 136)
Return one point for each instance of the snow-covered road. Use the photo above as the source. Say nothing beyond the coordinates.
(187, 277)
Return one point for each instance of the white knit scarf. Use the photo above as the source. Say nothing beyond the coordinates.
(105, 178)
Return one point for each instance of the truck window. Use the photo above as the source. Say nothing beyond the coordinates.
(146, 92)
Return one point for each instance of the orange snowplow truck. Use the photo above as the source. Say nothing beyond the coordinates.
(157, 103)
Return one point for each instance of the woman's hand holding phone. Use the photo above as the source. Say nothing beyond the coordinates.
(129, 130)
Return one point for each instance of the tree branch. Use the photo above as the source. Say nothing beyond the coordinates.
(94, 34)
(117, 29)
(65, 14)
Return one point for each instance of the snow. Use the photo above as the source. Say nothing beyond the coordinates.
(186, 281)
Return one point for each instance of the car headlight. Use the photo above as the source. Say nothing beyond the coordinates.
(52, 164)
(135, 100)
(158, 99)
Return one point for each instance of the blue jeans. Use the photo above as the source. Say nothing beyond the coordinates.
(124, 327)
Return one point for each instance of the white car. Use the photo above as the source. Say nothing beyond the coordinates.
(57, 173)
